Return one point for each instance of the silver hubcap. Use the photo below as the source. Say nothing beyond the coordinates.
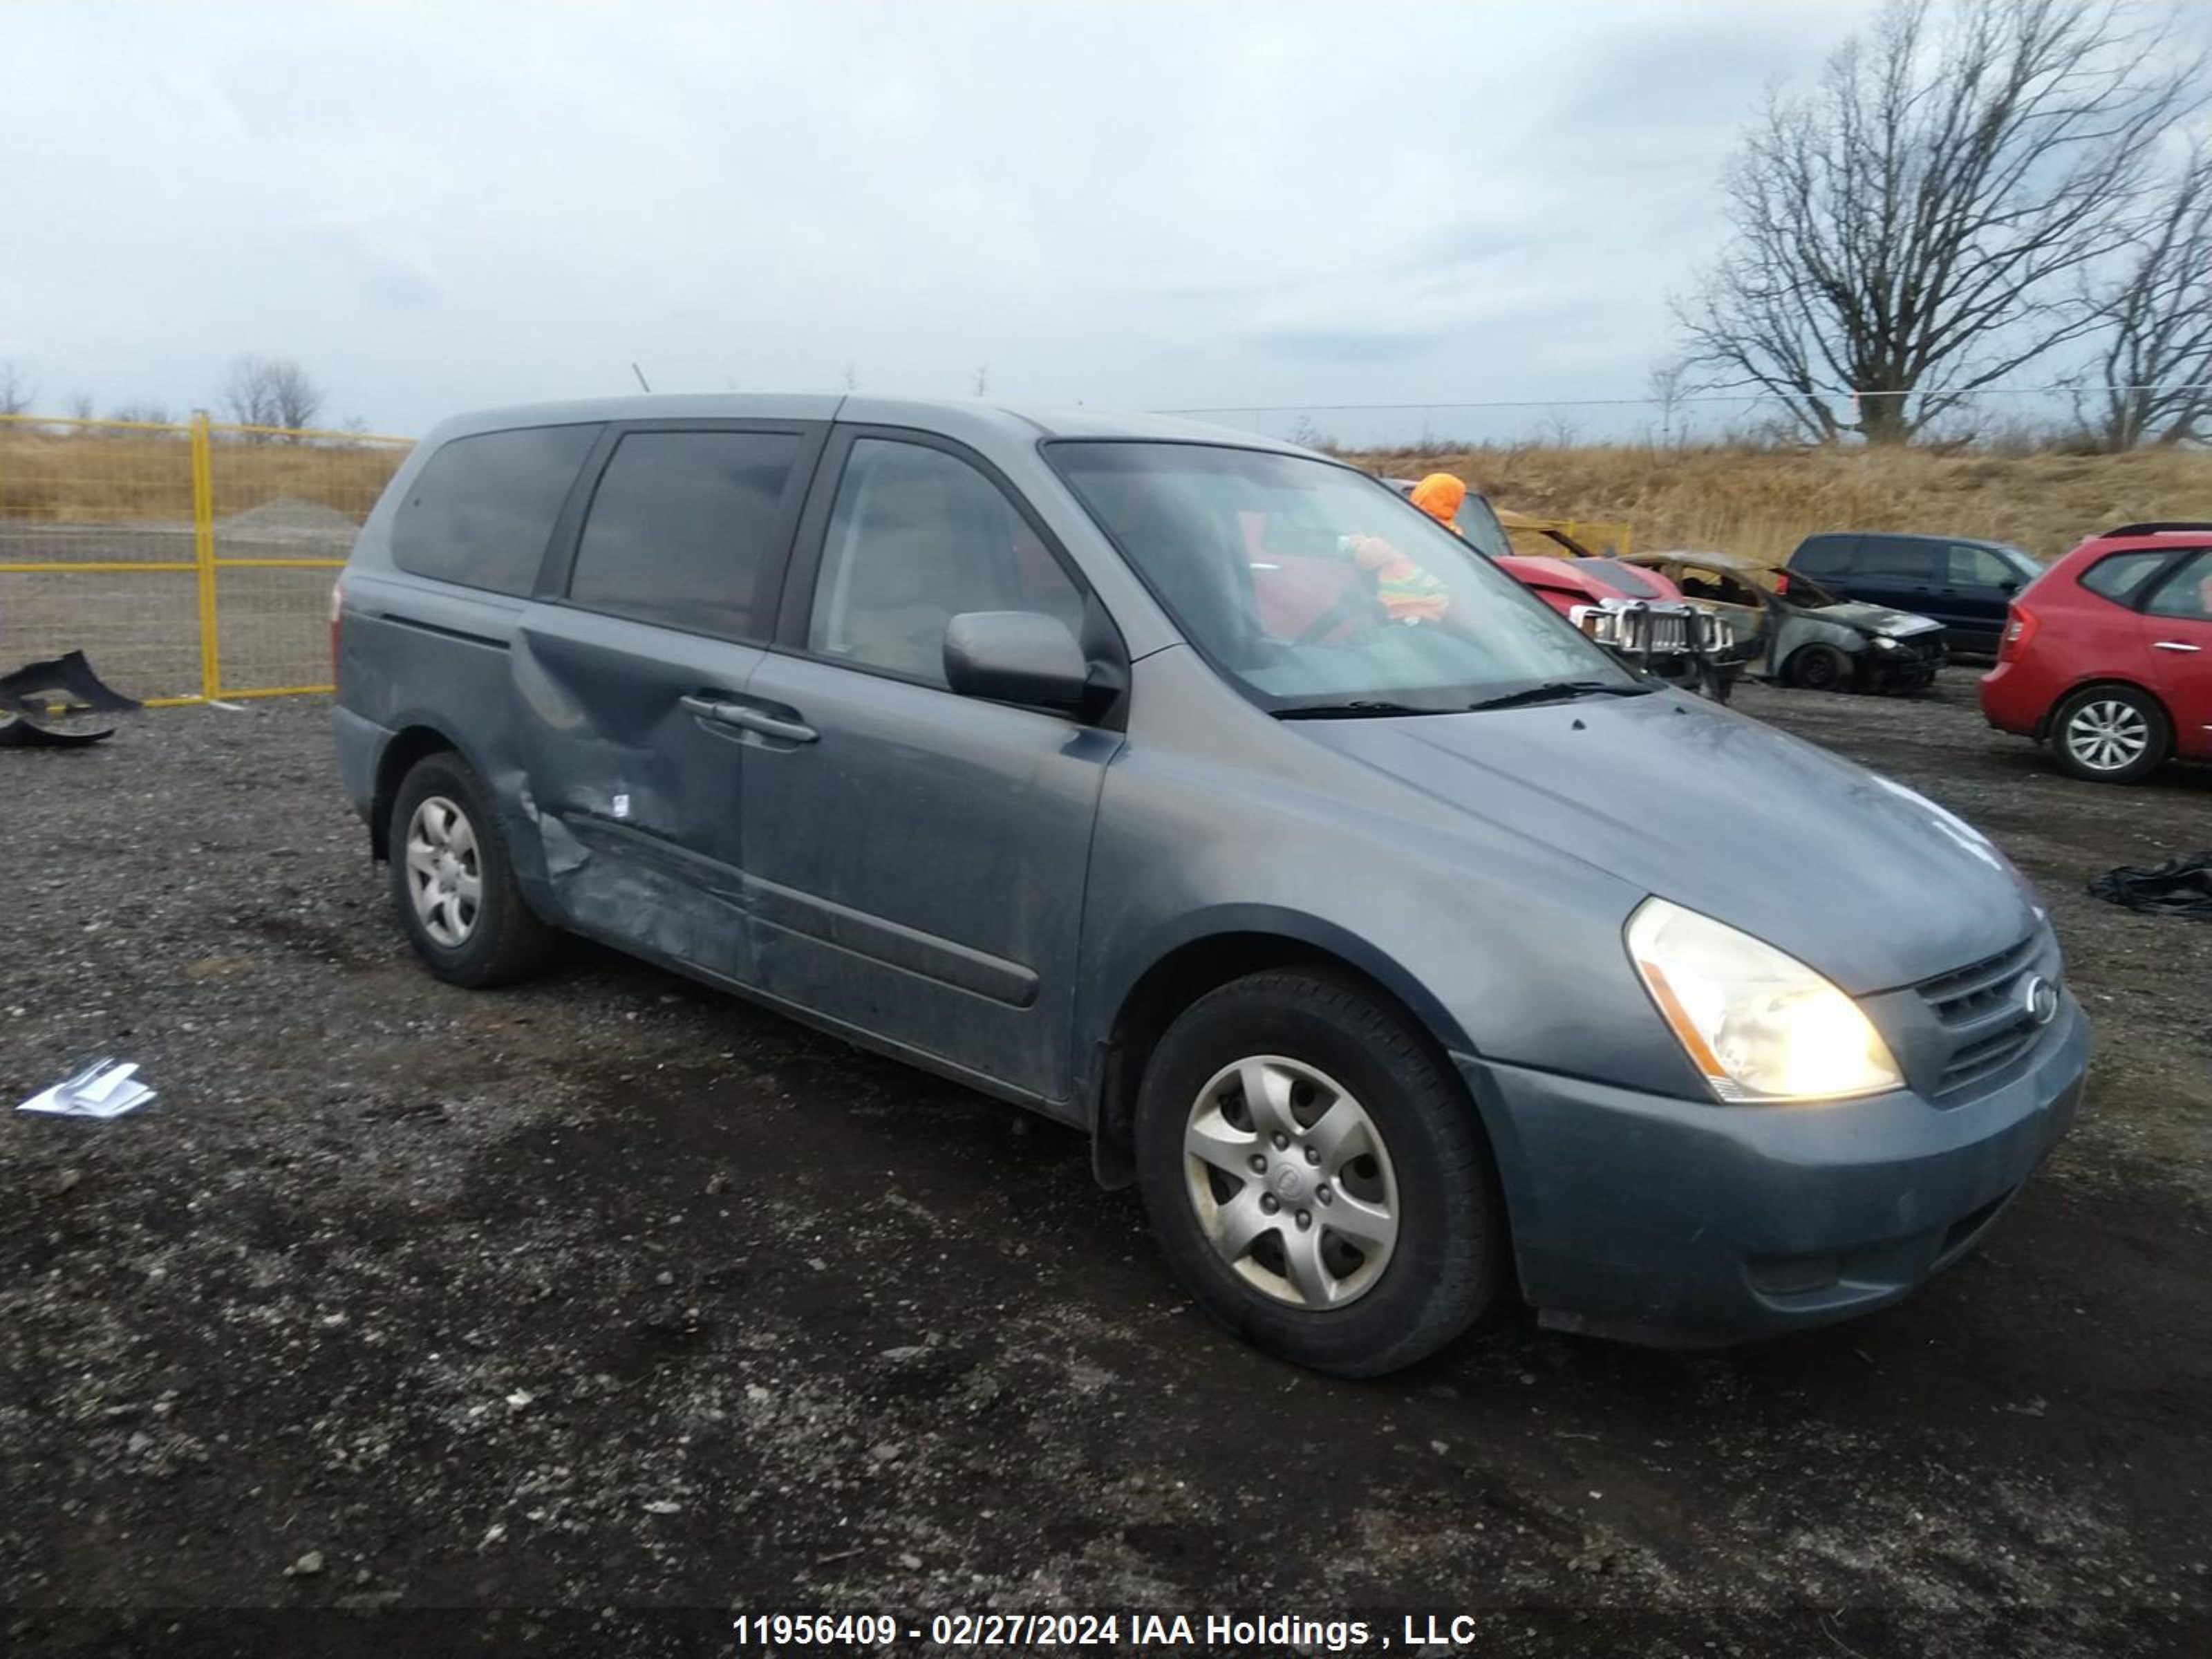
(2107, 735)
(444, 879)
(1290, 1183)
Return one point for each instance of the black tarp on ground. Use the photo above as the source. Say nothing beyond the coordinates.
(2179, 887)
(54, 702)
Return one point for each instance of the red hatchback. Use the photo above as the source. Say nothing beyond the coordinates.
(2108, 654)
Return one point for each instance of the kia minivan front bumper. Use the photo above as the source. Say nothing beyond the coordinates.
(1683, 1222)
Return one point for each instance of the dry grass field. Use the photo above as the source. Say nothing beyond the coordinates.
(1763, 501)
(53, 475)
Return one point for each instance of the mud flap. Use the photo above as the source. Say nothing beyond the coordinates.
(58, 703)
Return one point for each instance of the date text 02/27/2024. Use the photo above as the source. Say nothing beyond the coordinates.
(1165, 1631)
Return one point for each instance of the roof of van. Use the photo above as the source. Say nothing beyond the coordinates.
(957, 417)
(1916, 536)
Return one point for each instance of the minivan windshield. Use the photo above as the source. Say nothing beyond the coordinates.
(1316, 589)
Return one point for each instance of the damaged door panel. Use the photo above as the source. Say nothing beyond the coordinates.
(631, 683)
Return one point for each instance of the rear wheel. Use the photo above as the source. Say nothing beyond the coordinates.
(1317, 1176)
(2111, 734)
(453, 884)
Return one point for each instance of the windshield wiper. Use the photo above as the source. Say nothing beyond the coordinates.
(1355, 709)
(1561, 691)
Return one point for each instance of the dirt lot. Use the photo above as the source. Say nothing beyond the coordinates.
(610, 1295)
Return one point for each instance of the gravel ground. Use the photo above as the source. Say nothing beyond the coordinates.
(609, 1296)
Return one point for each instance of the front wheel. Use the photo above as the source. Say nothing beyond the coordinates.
(1317, 1176)
(1820, 668)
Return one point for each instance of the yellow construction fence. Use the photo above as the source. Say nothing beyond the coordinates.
(190, 561)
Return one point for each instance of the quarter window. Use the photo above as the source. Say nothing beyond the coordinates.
(482, 510)
(916, 538)
(680, 526)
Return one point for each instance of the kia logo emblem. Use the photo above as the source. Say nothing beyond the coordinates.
(2040, 998)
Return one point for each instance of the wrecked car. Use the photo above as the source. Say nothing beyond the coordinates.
(1792, 631)
(1639, 615)
(1199, 793)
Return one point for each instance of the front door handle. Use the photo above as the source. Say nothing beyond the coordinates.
(747, 720)
(2173, 645)
(711, 709)
(769, 727)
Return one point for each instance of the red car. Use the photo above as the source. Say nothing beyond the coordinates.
(2108, 654)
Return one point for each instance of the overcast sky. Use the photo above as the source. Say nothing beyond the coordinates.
(1128, 204)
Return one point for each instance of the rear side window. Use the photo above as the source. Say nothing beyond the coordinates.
(1823, 555)
(482, 510)
(680, 526)
(1899, 561)
(2118, 575)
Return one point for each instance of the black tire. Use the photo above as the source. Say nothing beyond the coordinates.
(2110, 707)
(1820, 668)
(504, 939)
(1450, 1253)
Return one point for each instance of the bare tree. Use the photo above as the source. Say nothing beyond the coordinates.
(851, 378)
(16, 392)
(2157, 356)
(983, 388)
(1669, 383)
(79, 406)
(1910, 232)
(271, 391)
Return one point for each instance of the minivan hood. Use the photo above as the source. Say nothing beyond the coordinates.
(1852, 874)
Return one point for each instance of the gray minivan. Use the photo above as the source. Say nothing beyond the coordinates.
(1405, 949)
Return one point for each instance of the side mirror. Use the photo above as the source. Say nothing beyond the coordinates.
(1015, 656)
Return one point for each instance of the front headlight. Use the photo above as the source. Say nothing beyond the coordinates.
(1759, 1025)
(1883, 642)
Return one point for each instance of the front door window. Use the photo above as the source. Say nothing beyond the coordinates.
(916, 538)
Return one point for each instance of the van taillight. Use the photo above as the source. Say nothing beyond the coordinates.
(2020, 628)
(338, 609)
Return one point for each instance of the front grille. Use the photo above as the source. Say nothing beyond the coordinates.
(1982, 1008)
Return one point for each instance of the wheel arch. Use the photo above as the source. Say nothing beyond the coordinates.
(1208, 952)
(2045, 726)
(407, 745)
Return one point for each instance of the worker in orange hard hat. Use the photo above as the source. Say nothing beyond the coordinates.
(1439, 495)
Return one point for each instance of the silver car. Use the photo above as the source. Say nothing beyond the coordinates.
(1406, 950)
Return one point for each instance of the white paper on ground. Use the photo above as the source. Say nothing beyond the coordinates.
(102, 1090)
